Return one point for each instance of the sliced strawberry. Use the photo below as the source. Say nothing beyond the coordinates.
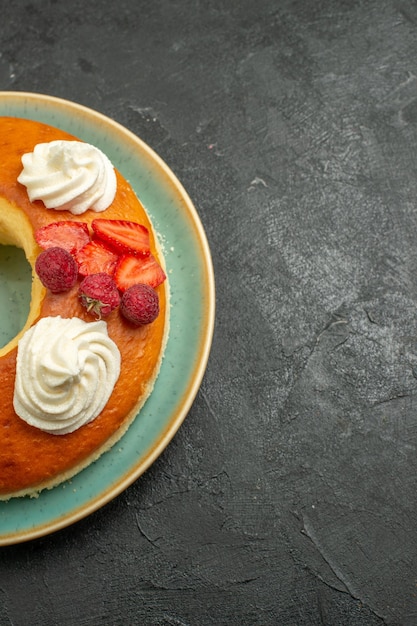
(94, 258)
(131, 270)
(123, 236)
(71, 236)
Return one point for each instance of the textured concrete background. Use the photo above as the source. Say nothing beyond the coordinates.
(288, 497)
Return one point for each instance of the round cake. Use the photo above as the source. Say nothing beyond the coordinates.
(33, 459)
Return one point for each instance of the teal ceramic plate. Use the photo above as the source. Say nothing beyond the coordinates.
(191, 325)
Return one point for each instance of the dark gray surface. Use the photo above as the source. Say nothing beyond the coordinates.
(288, 497)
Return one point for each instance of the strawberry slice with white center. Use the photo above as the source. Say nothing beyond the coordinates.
(123, 236)
(131, 270)
(95, 258)
(70, 235)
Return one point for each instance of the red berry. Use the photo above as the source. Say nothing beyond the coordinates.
(56, 269)
(98, 294)
(140, 304)
(65, 234)
(131, 270)
(95, 258)
(123, 236)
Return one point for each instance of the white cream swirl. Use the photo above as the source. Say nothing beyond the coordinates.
(69, 175)
(65, 373)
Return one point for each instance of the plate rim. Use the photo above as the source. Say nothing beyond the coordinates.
(205, 335)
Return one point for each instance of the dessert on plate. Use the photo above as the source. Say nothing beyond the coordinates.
(77, 374)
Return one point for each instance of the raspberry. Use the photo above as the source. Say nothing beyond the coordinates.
(140, 304)
(98, 294)
(56, 269)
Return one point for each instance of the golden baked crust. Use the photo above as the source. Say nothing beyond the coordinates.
(31, 459)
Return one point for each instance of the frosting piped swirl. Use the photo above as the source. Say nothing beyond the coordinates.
(69, 175)
(65, 373)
